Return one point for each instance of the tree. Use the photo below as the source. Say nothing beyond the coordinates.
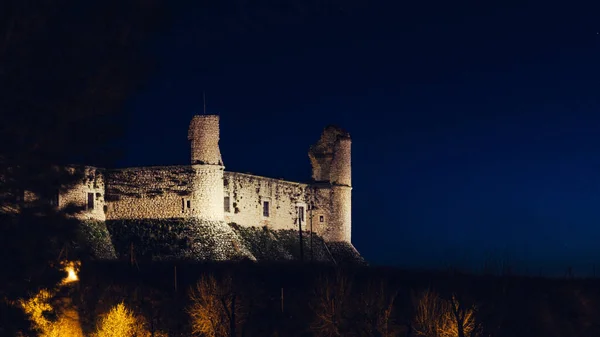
(122, 322)
(376, 306)
(41, 312)
(439, 317)
(331, 305)
(66, 69)
(216, 307)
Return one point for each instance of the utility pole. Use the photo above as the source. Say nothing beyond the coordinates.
(175, 277)
(300, 214)
(311, 232)
(132, 256)
(282, 299)
(232, 319)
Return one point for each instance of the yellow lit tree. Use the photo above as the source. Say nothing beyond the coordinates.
(38, 308)
(122, 322)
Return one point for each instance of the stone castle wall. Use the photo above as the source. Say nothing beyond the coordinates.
(322, 211)
(149, 192)
(193, 191)
(248, 193)
(92, 186)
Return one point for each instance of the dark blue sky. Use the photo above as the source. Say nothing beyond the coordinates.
(476, 128)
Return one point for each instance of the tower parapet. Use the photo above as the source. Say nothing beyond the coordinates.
(207, 191)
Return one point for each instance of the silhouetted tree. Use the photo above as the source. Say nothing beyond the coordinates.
(331, 305)
(66, 69)
(439, 317)
(375, 306)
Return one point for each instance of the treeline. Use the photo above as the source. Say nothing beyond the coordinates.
(250, 299)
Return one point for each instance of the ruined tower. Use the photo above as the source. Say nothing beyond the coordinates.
(331, 166)
(207, 197)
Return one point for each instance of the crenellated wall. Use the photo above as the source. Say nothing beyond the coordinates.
(149, 192)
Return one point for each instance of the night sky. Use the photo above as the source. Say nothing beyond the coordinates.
(476, 128)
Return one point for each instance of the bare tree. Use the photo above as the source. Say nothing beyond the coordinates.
(216, 308)
(332, 295)
(439, 317)
(376, 304)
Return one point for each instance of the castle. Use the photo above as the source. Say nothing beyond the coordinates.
(204, 194)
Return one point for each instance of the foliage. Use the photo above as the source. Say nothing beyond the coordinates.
(122, 322)
(95, 239)
(176, 239)
(39, 309)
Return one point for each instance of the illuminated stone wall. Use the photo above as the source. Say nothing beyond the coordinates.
(93, 182)
(331, 164)
(340, 172)
(330, 157)
(207, 195)
(149, 192)
(247, 194)
(164, 192)
(340, 226)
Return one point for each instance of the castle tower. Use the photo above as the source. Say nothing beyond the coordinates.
(331, 164)
(207, 196)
